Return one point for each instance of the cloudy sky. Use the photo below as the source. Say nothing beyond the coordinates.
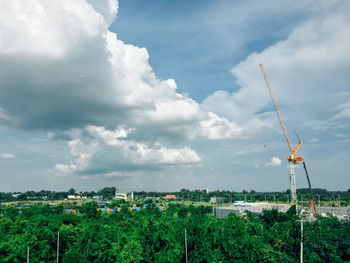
(164, 95)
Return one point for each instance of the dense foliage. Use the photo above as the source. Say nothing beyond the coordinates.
(151, 235)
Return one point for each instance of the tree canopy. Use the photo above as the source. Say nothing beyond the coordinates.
(151, 235)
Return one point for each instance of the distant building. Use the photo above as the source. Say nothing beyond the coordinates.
(241, 207)
(340, 212)
(74, 197)
(120, 196)
(167, 197)
(216, 200)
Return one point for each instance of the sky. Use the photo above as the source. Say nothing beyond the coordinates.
(164, 95)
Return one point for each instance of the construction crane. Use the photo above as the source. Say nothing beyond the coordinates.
(312, 203)
(310, 188)
(293, 159)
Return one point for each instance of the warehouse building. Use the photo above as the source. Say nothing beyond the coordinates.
(240, 207)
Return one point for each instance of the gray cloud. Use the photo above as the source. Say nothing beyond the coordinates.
(72, 72)
(63, 72)
(306, 69)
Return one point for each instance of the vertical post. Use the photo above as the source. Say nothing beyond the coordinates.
(186, 245)
(301, 241)
(27, 254)
(58, 246)
(293, 191)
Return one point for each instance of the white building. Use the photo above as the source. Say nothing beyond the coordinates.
(119, 196)
(74, 197)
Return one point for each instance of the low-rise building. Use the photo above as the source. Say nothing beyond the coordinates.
(74, 197)
(169, 197)
(241, 207)
(340, 212)
(120, 196)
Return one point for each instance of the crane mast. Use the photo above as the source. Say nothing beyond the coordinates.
(292, 159)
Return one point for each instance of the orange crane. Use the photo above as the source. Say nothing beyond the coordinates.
(293, 159)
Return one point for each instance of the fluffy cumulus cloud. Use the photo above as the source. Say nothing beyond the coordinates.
(64, 71)
(274, 161)
(308, 69)
(116, 147)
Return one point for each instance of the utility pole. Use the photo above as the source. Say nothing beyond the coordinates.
(301, 240)
(58, 246)
(27, 254)
(186, 245)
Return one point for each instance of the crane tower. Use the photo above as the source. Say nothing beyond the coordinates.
(292, 158)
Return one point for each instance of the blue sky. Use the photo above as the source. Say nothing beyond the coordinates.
(198, 42)
(164, 95)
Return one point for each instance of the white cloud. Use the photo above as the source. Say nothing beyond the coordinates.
(107, 8)
(142, 153)
(80, 154)
(216, 127)
(69, 58)
(123, 151)
(78, 77)
(274, 161)
(63, 72)
(40, 24)
(314, 140)
(344, 111)
(8, 156)
(307, 70)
